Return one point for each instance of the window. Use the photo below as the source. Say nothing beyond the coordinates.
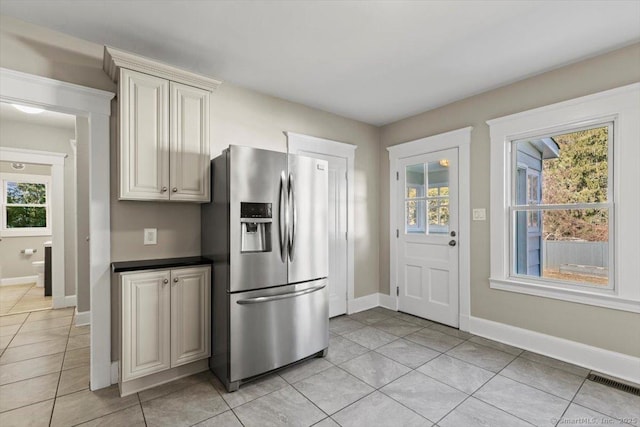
(427, 213)
(564, 200)
(25, 205)
(566, 207)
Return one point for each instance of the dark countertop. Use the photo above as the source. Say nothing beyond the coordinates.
(153, 264)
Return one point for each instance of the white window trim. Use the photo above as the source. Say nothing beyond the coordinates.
(621, 105)
(32, 179)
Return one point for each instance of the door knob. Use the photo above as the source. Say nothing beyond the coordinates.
(164, 189)
(174, 189)
(175, 280)
(452, 234)
(452, 242)
(165, 281)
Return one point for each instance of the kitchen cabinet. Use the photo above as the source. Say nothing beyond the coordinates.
(163, 129)
(165, 319)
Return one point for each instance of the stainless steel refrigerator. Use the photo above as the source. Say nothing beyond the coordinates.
(266, 232)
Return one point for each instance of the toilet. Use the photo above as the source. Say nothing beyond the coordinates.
(38, 267)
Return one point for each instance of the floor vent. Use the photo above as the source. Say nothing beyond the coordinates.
(613, 383)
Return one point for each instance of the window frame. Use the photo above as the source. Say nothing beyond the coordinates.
(24, 231)
(619, 106)
(532, 207)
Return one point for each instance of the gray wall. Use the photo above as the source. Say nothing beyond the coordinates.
(47, 138)
(600, 327)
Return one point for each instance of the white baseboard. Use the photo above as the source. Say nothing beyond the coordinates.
(115, 374)
(363, 303)
(9, 281)
(605, 361)
(83, 318)
(63, 302)
(388, 301)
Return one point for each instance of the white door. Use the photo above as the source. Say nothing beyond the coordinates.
(190, 160)
(145, 323)
(190, 315)
(427, 264)
(337, 211)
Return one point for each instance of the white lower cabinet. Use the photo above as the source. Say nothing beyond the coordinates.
(165, 320)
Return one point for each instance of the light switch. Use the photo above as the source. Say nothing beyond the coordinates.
(150, 236)
(479, 214)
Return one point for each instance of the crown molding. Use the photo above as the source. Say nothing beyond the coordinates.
(115, 59)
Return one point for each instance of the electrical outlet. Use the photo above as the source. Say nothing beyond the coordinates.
(480, 214)
(150, 236)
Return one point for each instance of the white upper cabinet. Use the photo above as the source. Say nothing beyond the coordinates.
(163, 120)
(189, 147)
(144, 136)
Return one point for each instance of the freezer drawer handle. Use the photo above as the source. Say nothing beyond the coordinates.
(258, 300)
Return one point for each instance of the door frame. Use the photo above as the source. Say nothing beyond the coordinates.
(310, 144)
(94, 104)
(56, 192)
(460, 139)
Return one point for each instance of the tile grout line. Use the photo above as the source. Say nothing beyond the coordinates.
(55, 396)
(571, 401)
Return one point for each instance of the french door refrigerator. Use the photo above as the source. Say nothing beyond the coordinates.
(266, 232)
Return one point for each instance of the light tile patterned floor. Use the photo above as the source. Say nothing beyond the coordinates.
(383, 369)
(23, 298)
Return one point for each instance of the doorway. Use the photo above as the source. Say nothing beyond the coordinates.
(37, 196)
(429, 227)
(94, 107)
(340, 158)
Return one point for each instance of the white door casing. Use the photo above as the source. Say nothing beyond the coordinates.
(461, 140)
(427, 236)
(340, 157)
(94, 104)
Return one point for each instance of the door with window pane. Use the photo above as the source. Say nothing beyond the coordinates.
(427, 236)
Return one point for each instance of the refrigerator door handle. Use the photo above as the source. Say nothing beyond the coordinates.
(294, 218)
(258, 300)
(283, 218)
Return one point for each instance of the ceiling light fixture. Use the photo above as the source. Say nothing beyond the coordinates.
(28, 110)
(444, 163)
(17, 166)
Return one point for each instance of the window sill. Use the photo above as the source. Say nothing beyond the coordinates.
(26, 233)
(600, 299)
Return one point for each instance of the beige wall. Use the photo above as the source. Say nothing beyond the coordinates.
(33, 136)
(600, 327)
(239, 116)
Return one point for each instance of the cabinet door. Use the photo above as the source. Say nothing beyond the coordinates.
(146, 345)
(190, 315)
(144, 136)
(190, 160)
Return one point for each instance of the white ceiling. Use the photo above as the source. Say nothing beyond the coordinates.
(46, 118)
(375, 61)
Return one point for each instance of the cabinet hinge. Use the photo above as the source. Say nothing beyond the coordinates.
(346, 235)
(397, 291)
(397, 176)
(346, 176)
(397, 233)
